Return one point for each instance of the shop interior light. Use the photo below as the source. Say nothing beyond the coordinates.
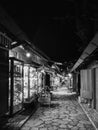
(43, 71)
(57, 63)
(21, 46)
(28, 54)
(70, 75)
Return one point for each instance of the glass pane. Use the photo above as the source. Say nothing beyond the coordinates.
(39, 81)
(9, 96)
(17, 98)
(33, 81)
(26, 71)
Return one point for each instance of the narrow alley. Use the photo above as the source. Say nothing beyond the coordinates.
(64, 113)
(49, 65)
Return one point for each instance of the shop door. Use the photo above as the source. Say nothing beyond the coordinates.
(83, 83)
(86, 84)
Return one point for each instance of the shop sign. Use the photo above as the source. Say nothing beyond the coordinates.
(5, 41)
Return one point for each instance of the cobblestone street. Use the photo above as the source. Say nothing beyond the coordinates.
(65, 113)
(49, 65)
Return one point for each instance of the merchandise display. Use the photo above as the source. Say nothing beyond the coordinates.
(26, 82)
(39, 81)
(9, 94)
(33, 81)
(16, 85)
(56, 81)
(18, 94)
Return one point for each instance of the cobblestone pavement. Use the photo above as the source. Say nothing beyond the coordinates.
(65, 113)
(15, 122)
(92, 113)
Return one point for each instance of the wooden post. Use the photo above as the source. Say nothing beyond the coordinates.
(11, 87)
(22, 84)
(29, 83)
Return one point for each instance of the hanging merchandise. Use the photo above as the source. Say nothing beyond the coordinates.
(16, 85)
(33, 81)
(39, 81)
(26, 82)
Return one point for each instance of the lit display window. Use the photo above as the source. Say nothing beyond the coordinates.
(26, 81)
(16, 85)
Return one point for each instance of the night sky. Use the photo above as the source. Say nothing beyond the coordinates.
(50, 26)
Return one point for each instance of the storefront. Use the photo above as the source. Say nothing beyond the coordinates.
(25, 81)
(19, 79)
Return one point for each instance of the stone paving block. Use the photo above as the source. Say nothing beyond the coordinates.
(54, 124)
(65, 121)
(38, 123)
(34, 128)
(80, 125)
(25, 128)
(48, 122)
(85, 122)
(73, 123)
(50, 128)
(43, 129)
(83, 128)
(89, 127)
(62, 126)
(62, 129)
(54, 127)
(28, 125)
(70, 126)
(75, 128)
(46, 119)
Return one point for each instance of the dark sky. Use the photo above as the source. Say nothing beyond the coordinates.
(50, 26)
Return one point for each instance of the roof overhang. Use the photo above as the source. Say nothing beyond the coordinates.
(92, 46)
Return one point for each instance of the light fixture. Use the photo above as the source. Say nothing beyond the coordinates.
(70, 75)
(57, 63)
(13, 43)
(28, 54)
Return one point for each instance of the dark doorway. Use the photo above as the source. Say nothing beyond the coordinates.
(47, 79)
(4, 81)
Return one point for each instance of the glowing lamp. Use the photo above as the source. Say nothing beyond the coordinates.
(28, 54)
(70, 75)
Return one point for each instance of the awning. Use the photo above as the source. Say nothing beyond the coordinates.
(87, 52)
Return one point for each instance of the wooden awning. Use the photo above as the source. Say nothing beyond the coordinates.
(92, 46)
